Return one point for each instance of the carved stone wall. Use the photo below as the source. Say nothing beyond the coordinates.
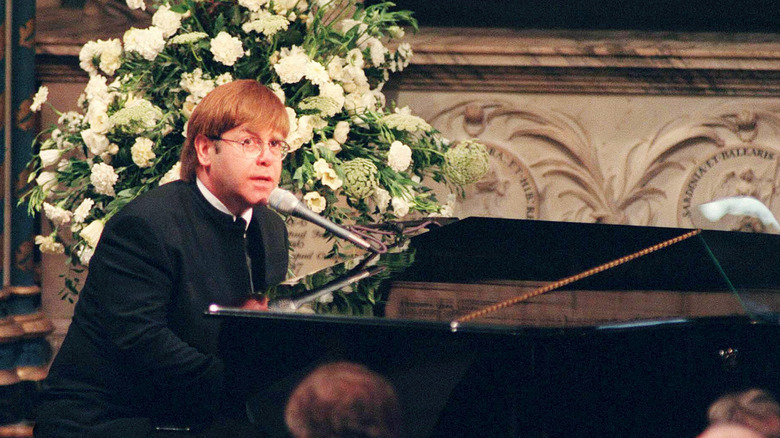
(604, 127)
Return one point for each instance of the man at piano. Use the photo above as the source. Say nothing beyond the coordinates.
(140, 358)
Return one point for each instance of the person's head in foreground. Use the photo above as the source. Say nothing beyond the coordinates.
(754, 408)
(343, 400)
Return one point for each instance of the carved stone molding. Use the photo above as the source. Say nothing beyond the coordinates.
(523, 61)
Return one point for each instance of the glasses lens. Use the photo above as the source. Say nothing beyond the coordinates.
(253, 147)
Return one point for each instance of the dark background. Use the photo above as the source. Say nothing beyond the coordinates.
(649, 15)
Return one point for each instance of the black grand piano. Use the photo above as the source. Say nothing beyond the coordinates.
(518, 328)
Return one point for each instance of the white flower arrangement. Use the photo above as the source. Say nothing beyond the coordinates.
(353, 158)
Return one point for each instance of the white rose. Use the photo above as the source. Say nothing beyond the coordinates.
(99, 121)
(97, 143)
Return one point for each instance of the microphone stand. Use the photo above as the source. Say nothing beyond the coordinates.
(292, 304)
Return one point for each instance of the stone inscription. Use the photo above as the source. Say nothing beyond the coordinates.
(747, 170)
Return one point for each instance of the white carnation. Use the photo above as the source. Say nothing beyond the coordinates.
(399, 157)
(174, 174)
(103, 177)
(197, 85)
(316, 73)
(142, 152)
(167, 21)
(40, 98)
(377, 51)
(226, 48)
(48, 245)
(136, 4)
(110, 55)
(82, 211)
(57, 215)
(147, 42)
(97, 89)
(292, 65)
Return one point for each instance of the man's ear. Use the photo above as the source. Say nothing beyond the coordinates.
(202, 146)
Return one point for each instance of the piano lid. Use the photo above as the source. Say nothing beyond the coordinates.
(513, 275)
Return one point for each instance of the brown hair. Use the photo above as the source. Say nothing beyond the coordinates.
(343, 399)
(226, 107)
(754, 408)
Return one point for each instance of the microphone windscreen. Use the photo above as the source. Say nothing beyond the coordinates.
(282, 200)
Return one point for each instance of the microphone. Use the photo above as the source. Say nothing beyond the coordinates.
(285, 202)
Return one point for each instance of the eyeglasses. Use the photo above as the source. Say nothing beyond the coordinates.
(253, 146)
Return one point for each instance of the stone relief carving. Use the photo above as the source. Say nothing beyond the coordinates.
(643, 178)
(508, 190)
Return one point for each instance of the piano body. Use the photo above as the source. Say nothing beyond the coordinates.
(639, 347)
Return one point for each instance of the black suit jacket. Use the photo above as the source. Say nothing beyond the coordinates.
(139, 345)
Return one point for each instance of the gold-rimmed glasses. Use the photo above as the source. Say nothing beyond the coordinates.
(253, 146)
